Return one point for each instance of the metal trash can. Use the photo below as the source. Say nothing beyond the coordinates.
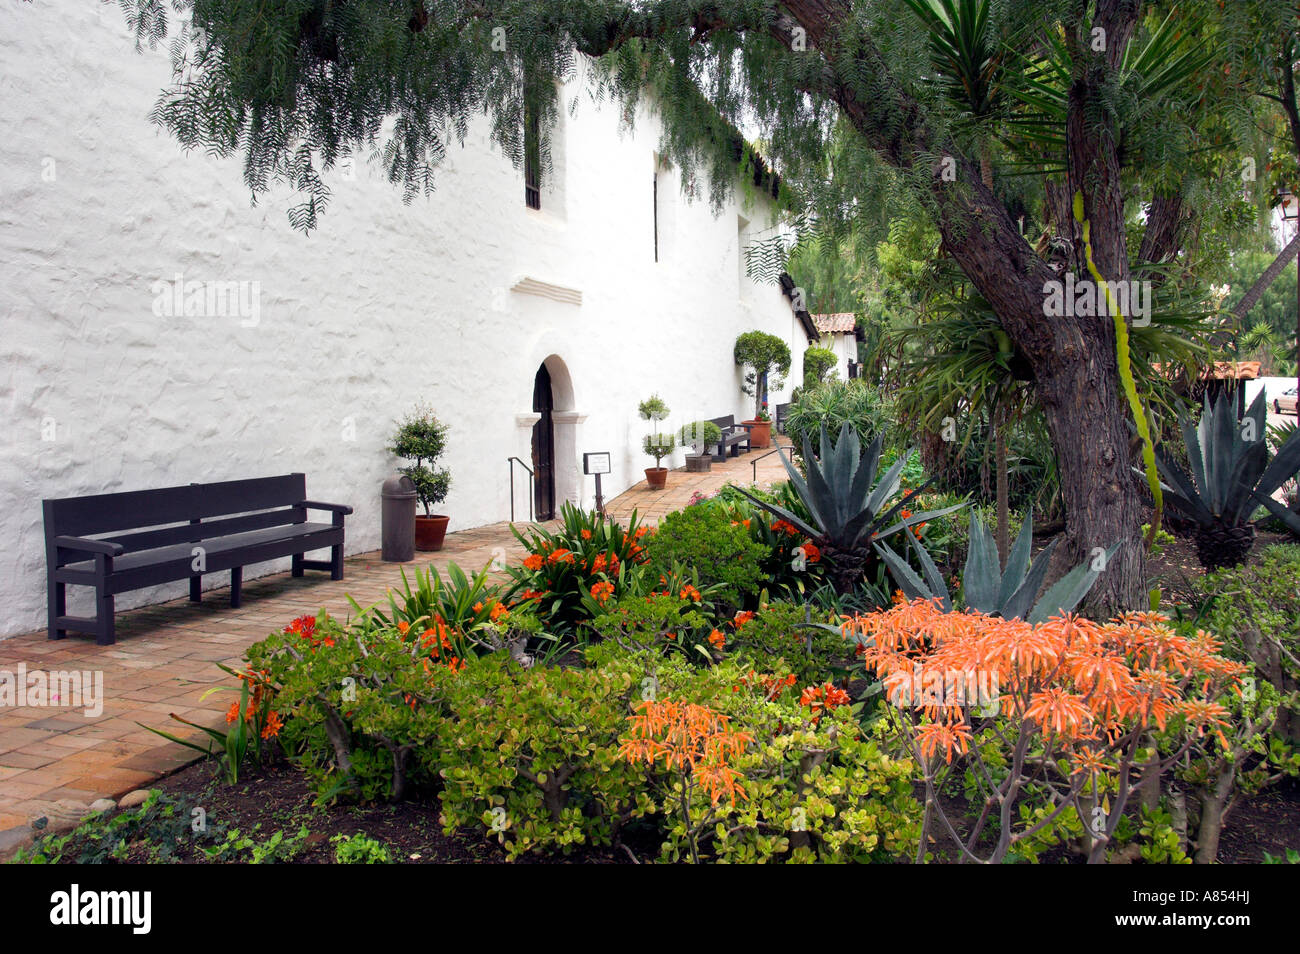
(398, 519)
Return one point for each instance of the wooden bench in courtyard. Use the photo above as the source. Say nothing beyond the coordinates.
(733, 435)
(127, 541)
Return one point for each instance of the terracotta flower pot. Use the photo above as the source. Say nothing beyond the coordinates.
(430, 531)
(656, 477)
(760, 433)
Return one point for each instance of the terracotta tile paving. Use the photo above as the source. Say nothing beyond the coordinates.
(651, 505)
(163, 660)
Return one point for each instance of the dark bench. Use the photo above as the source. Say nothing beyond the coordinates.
(126, 541)
(733, 435)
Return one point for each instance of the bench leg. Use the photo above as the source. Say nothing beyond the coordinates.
(196, 589)
(58, 607)
(236, 581)
(105, 631)
(296, 569)
(336, 562)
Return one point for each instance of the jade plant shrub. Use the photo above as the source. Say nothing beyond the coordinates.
(795, 636)
(766, 773)
(357, 700)
(1255, 609)
(563, 565)
(672, 620)
(720, 548)
(529, 755)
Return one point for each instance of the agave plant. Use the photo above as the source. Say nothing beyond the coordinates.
(846, 503)
(1231, 474)
(987, 587)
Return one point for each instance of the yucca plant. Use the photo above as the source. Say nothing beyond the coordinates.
(1231, 474)
(987, 587)
(847, 503)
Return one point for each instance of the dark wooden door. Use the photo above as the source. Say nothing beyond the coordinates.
(543, 447)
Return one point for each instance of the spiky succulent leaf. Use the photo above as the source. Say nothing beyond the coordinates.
(1067, 592)
(982, 578)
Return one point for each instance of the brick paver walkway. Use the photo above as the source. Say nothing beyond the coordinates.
(164, 659)
(681, 486)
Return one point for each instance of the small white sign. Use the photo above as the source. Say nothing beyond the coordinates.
(595, 463)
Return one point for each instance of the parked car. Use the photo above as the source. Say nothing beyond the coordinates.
(1286, 403)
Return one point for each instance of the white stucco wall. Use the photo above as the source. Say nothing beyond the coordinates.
(384, 306)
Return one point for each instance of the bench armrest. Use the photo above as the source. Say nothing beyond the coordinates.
(86, 545)
(334, 508)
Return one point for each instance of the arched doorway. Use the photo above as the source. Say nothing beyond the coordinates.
(543, 446)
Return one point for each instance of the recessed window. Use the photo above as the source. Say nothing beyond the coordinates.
(532, 158)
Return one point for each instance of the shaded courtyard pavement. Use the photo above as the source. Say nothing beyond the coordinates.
(166, 654)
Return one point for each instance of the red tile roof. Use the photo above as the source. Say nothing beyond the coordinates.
(842, 322)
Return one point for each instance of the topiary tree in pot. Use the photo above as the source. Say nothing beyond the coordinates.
(421, 438)
(768, 358)
(655, 444)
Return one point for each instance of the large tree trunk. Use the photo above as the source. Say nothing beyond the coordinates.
(1073, 359)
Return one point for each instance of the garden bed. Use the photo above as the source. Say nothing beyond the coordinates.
(278, 799)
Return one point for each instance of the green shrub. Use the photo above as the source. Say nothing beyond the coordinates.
(816, 362)
(812, 788)
(833, 404)
(356, 700)
(531, 755)
(718, 547)
(1255, 609)
(360, 849)
(781, 634)
(699, 434)
(663, 620)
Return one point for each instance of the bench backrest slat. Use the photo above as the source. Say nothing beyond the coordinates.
(164, 517)
(725, 422)
(244, 496)
(132, 510)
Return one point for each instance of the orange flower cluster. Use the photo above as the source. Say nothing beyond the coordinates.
(601, 592)
(692, 739)
(717, 639)
(1078, 683)
(534, 562)
(689, 593)
(811, 552)
(820, 699)
(742, 618)
(259, 693)
(786, 527)
(305, 626)
(771, 686)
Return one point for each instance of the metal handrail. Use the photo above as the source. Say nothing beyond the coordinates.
(753, 464)
(511, 461)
